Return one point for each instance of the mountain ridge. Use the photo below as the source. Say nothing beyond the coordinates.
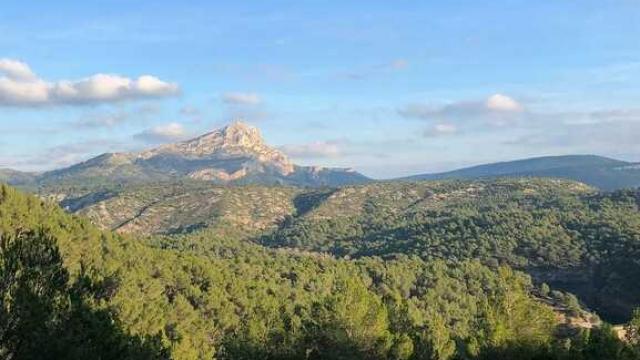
(599, 171)
(237, 154)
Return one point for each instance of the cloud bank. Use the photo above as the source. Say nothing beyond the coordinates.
(495, 104)
(497, 110)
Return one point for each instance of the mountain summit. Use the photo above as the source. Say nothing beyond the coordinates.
(238, 141)
(236, 137)
(236, 153)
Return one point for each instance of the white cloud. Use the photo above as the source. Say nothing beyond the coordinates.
(495, 111)
(18, 92)
(441, 129)
(493, 104)
(499, 102)
(19, 86)
(163, 133)
(110, 88)
(239, 98)
(317, 149)
(15, 69)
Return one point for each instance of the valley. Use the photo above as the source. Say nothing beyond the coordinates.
(319, 180)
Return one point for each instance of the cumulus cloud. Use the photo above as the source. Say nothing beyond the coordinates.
(314, 150)
(441, 129)
(20, 86)
(496, 103)
(16, 70)
(499, 102)
(240, 98)
(163, 133)
(497, 110)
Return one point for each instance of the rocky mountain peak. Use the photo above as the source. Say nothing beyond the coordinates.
(236, 138)
(240, 134)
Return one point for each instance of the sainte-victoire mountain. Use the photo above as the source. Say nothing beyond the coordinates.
(235, 154)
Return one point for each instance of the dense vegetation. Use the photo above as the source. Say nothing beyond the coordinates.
(78, 290)
(557, 231)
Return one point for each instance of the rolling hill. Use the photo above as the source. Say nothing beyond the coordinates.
(17, 178)
(601, 172)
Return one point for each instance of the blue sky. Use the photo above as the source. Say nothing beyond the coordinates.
(388, 88)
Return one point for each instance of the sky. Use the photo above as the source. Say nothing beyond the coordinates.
(389, 88)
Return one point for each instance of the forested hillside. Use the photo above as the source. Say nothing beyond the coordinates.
(74, 290)
(561, 232)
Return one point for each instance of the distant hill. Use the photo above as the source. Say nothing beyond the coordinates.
(601, 172)
(235, 154)
(17, 178)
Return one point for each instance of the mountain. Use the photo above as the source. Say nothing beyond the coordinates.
(598, 171)
(235, 154)
(17, 178)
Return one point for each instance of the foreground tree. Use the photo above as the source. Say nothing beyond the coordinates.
(42, 317)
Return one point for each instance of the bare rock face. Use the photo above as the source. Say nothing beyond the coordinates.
(214, 174)
(236, 153)
(237, 139)
(239, 143)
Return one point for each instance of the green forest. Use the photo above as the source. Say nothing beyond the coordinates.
(543, 227)
(379, 271)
